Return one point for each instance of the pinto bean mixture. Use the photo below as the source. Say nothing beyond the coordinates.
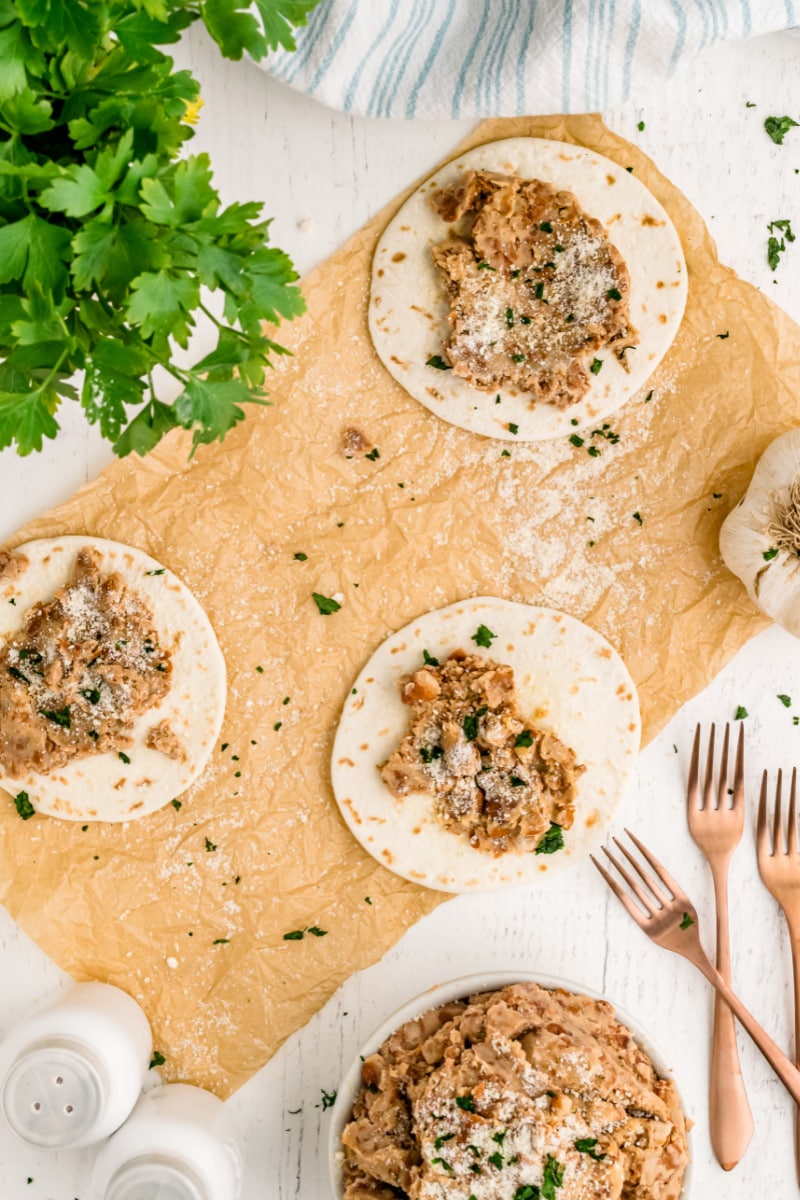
(522, 1093)
(82, 667)
(535, 286)
(494, 777)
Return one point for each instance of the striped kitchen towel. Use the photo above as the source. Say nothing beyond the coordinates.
(479, 58)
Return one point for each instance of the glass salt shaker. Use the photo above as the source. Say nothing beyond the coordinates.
(179, 1143)
(71, 1071)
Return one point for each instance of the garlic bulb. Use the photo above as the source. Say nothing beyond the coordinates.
(760, 539)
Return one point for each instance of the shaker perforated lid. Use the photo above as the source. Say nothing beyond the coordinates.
(156, 1178)
(53, 1094)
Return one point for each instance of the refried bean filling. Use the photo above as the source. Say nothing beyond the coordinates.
(494, 777)
(535, 286)
(83, 666)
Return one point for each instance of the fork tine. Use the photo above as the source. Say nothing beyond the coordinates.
(664, 875)
(645, 901)
(643, 875)
(777, 832)
(708, 782)
(738, 771)
(762, 836)
(691, 787)
(791, 840)
(722, 786)
(622, 896)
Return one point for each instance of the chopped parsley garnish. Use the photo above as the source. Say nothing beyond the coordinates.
(466, 1103)
(367, 900)
(613, 294)
(741, 713)
(597, 366)
(687, 921)
(296, 935)
(576, 440)
(778, 127)
(160, 571)
(210, 845)
(440, 1141)
(442, 1162)
(724, 335)
(220, 941)
(328, 1099)
(375, 453)
(527, 1191)
(91, 694)
(278, 725)
(777, 245)
(552, 841)
(524, 739)
(157, 1060)
(525, 320)
(546, 227)
(512, 428)
(176, 804)
(496, 1160)
(325, 604)
(519, 358)
(637, 516)
(483, 636)
(484, 266)
(124, 757)
(23, 805)
(786, 701)
(768, 555)
(570, 317)
(426, 754)
(31, 656)
(588, 1146)
(61, 717)
(438, 362)
(15, 673)
(500, 1136)
(429, 660)
(553, 1178)
(594, 452)
(470, 724)
(538, 291)
(510, 318)
(648, 397)
(505, 454)
(517, 782)
(315, 931)
(300, 556)
(640, 126)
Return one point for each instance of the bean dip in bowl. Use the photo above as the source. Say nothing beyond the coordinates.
(507, 1086)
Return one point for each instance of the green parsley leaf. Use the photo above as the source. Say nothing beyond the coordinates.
(373, 455)
(576, 440)
(588, 1146)
(640, 126)
(741, 713)
(723, 336)
(91, 694)
(325, 604)
(315, 931)
(15, 673)
(512, 428)
(510, 318)
(300, 556)
(441, 1162)
(296, 935)
(440, 1141)
(496, 1160)
(157, 1060)
(470, 723)
(429, 660)
(160, 571)
(62, 717)
(220, 941)
(637, 516)
(552, 841)
(210, 845)
(439, 363)
(768, 555)
(524, 739)
(124, 757)
(687, 921)
(778, 127)
(597, 366)
(485, 266)
(177, 805)
(613, 294)
(23, 806)
(546, 227)
(466, 1103)
(593, 451)
(483, 636)
(553, 1178)
(786, 701)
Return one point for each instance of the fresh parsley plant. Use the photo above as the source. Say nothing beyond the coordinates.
(107, 237)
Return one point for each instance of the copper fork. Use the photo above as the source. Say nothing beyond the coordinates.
(717, 831)
(780, 871)
(668, 917)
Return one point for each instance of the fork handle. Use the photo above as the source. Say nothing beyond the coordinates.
(730, 1119)
(786, 1071)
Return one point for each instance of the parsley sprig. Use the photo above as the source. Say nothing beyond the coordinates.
(106, 238)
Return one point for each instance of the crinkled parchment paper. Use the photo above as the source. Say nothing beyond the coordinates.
(438, 516)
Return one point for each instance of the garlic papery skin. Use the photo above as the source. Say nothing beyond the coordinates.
(758, 526)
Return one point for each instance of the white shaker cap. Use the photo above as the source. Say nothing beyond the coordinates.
(53, 1095)
(156, 1178)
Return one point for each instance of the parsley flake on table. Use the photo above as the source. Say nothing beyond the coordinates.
(723, 336)
(439, 363)
(640, 126)
(328, 1099)
(786, 701)
(157, 1060)
(778, 127)
(741, 713)
(373, 455)
(23, 806)
(637, 516)
(687, 921)
(512, 428)
(483, 636)
(124, 757)
(776, 243)
(176, 804)
(210, 846)
(325, 604)
(552, 841)
(300, 556)
(589, 1146)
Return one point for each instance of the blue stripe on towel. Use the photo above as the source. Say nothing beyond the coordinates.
(704, 18)
(395, 76)
(391, 59)
(677, 8)
(333, 49)
(611, 29)
(455, 109)
(790, 17)
(747, 20)
(630, 46)
(523, 50)
(492, 66)
(355, 81)
(307, 39)
(567, 43)
(411, 104)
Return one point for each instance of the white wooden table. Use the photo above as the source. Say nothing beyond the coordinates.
(321, 174)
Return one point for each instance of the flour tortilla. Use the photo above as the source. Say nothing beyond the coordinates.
(101, 787)
(568, 679)
(409, 305)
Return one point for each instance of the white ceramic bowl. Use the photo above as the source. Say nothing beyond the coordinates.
(459, 989)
